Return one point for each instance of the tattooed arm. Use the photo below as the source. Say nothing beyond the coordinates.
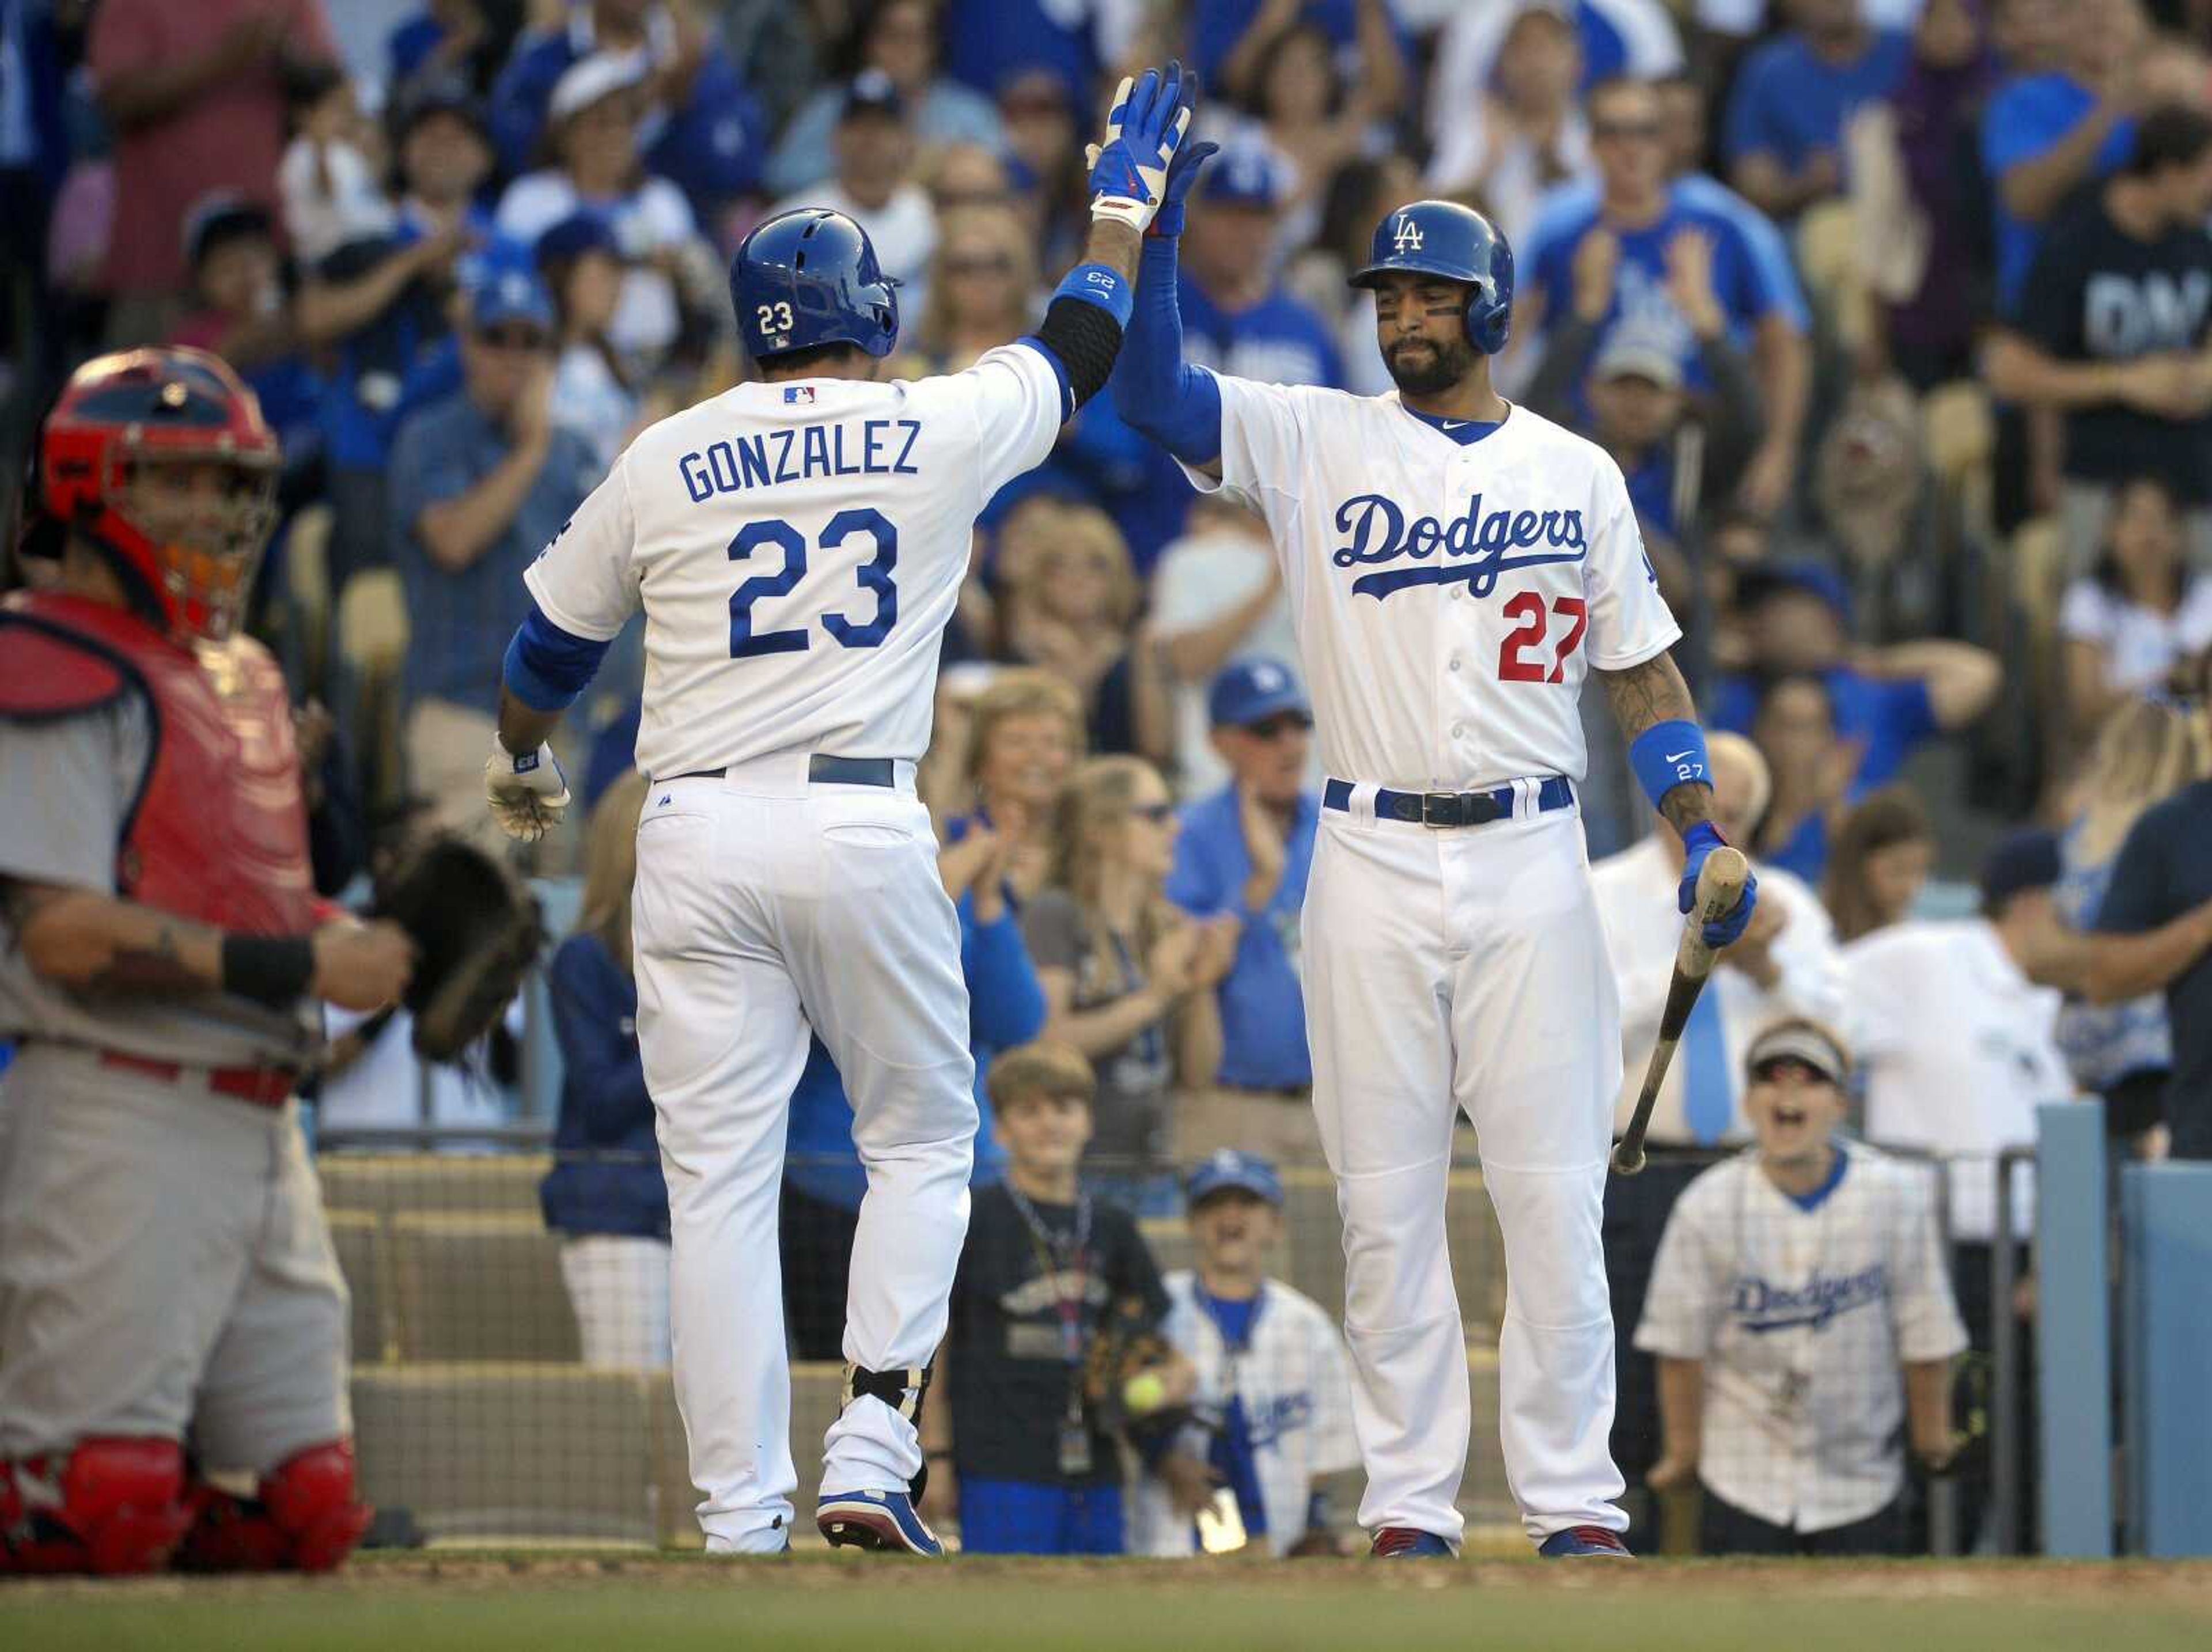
(1644, 697)
(104, 946)
(96, 943)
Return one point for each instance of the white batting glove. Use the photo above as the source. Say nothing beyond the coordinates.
(527, 794)
(1148, 119)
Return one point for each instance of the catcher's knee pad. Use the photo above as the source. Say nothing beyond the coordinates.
(112, 1506)
(305, 1518)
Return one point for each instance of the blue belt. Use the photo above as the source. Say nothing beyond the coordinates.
(823, 770)
(1446, 809)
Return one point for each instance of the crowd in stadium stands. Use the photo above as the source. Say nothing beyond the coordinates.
(1897, 315)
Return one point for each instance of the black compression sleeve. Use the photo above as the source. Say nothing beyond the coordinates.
(1086, 339)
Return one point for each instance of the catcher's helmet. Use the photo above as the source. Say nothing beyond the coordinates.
(120, 419)
(1442, 238)
(807, 278)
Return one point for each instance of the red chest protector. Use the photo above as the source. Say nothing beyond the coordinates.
(217, 830)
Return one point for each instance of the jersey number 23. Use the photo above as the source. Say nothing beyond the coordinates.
(774, 533)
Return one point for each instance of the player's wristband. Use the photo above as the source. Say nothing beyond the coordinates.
(1668, 755)
(1095, 283)
(271, 969)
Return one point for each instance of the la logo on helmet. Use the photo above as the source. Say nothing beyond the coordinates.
(1405, 236)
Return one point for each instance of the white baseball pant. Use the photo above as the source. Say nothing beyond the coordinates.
(1466, 969)
(765, 904)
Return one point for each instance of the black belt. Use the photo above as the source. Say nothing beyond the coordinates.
(1446, 809)
(823, 770)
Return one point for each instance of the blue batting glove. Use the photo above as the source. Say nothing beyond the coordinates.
(1183, 176)
(1145, 127)
(1702, 839)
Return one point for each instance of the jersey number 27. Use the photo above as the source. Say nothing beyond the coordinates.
(875, 576)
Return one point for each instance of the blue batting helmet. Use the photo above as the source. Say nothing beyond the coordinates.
(1442, 238)
(808, 278)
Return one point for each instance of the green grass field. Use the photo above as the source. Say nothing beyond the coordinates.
(538, 1602)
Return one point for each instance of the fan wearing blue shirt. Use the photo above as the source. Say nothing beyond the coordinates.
(1246, 852)
(1785, 136)
(2046, 135)
(1636, 215)
(1237, 317)
(1887, 700)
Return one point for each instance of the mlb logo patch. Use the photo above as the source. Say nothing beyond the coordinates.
(798, 393)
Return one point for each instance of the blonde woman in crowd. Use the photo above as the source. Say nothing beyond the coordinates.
(604, 1195)
(1022, 734)
(1883, 853)
(1128, 980)
(982, 291)
(2146, 751)
(1071, 608)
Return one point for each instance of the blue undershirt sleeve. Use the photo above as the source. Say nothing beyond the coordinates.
(1155, 390)
(546, 667)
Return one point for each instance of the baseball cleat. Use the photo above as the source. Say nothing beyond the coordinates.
(1407, 1543)
(883, 1521)
(1585, 1540)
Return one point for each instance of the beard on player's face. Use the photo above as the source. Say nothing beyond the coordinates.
(1422, 365)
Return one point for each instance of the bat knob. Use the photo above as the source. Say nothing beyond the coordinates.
(1627, 1161)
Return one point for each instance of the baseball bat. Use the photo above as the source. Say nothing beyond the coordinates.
(1720, 886)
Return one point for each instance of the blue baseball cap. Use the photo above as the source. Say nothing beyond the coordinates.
(1756, 584)
(1228, 1170)
(1247, 174)
(574, 235)
(1248, 691)
(2022, 861)
(507, 292)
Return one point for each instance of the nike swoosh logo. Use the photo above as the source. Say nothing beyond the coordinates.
(1676, 756)
(1450, 424)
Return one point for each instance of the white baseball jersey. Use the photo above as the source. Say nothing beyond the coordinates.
(1450, 599)
(1296, 1388)
(1803, 1318)
(798, 548)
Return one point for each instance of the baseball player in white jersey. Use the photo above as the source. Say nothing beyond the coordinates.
(1455, 568)
(797, 545)
(1794, 1284)
(1274, 1391)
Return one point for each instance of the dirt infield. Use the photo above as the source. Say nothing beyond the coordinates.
(534, 1601)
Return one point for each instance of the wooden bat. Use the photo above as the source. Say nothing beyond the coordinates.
(1720, 886)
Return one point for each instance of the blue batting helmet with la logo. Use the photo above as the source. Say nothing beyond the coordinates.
(808, 278)
(1442, 238)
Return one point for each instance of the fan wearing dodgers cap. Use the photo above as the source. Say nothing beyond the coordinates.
(1457, 567)
(1245, 851)
(1237, 317)
(478, 482)
(1800, 1310)
(1273, 1401)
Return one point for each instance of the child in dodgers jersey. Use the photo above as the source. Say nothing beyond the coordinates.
(1274, 1391)
(1793, 1283)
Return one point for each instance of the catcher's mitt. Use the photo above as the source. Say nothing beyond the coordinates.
(1125, 1346)
(476, 932)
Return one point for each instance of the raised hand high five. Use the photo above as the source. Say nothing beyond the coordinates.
(1144, 127)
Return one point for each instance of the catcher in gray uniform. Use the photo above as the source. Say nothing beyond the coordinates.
(166, 1273)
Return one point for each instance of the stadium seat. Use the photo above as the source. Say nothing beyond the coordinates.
(1316, 1235)
(479, 1287)
(489, 1451)
(1478, 1251)
(358, 1238)
(372, 641)
(1483, 1495)
(434, 1184)
(1168, 1237)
